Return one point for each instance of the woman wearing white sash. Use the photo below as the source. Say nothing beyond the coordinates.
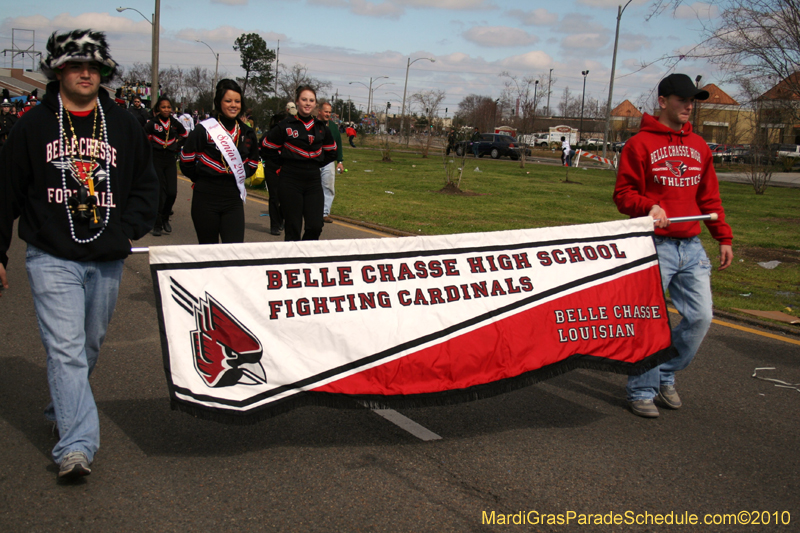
(217, 200)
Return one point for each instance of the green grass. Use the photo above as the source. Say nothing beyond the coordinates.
(404, 194)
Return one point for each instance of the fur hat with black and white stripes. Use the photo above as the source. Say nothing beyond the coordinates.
(78, 45)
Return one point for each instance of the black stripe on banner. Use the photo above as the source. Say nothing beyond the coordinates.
(393, 255)
(310, 381)
(449, 397)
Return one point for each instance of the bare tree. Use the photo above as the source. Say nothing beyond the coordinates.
(569, 106)
(292, 78)
(428, 103)
(523, 95)
(477, 111)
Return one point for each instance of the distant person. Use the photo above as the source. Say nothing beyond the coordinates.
(566, 152)
(7, 117)
(350, 131)
(78, 213)
(272, 177)
(218, 196)
(328, 172)
(140, 112)
(300, 145)
(666, 170)
(187, 120)
(166, 135)
(451, 141)
(32, 102)
(476, 142)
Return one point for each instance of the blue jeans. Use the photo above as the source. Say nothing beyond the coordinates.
(328, 174)
(686, 272)
(74, 302)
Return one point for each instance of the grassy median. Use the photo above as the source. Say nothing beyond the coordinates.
(406, 194)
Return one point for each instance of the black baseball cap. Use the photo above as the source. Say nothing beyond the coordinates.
(681, 85)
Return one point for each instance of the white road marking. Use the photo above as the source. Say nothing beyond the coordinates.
(407, 424)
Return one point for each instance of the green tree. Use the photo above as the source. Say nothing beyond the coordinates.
(256, 62)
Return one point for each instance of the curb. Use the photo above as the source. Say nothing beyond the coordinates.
(787, 330)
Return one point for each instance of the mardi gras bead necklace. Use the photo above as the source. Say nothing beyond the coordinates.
(85, 174)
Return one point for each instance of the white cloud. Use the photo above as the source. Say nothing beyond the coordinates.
(499, 36)
(455, 5)
(396, 8)
(528, 61)
(698, 10)
(225, 34)
(537, 17)
(585, 41)
(111, 24)
(609, 3)
(634, 42)
(370, 9)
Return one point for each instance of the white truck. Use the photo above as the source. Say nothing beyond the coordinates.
(553, 138)
(788, 150)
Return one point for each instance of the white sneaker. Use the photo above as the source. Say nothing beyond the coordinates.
(73, 466)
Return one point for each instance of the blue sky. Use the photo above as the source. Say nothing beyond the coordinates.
(345, 41)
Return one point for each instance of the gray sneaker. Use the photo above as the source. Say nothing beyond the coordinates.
(73, 466)
(669, 396)
(644, 408)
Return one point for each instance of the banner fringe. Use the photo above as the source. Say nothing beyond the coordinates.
(411, 401)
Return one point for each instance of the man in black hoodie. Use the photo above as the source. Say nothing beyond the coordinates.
(78, 172)
(140, 112)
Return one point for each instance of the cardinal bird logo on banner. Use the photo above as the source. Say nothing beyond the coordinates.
(225, 352)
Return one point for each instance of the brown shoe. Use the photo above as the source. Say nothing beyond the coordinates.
(329, 220)
(669, 396)
(644, 408)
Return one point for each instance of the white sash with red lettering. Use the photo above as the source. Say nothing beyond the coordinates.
(228, 149)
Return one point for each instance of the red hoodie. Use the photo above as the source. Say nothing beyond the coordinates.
(674, 170)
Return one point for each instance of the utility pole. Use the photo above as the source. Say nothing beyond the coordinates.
(549, 82)
(584, 73)
(620, 9)
(277, 53)
(156, 37)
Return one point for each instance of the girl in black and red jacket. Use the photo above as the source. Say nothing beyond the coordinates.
(166, 135)
(300, 146)
(217, 207)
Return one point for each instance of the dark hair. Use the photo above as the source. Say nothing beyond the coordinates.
(302, 88)
(161, 98)
(223, 87)
(563, 138)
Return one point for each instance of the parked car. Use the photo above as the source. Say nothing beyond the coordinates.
(493, 144)
(593, 143)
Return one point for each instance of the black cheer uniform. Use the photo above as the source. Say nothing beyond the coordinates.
(166, 137)
(217, 208)
(299, 146)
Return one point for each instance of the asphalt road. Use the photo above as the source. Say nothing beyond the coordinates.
(565, 445)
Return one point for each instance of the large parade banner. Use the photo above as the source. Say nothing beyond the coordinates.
(252, 329)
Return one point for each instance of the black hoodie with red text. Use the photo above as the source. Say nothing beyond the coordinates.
(39, 173)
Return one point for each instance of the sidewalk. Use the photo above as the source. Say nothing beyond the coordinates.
(779, 179)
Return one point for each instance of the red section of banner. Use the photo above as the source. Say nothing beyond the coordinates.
(623, 320)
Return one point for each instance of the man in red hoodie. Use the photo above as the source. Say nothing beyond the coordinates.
(666, 171)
